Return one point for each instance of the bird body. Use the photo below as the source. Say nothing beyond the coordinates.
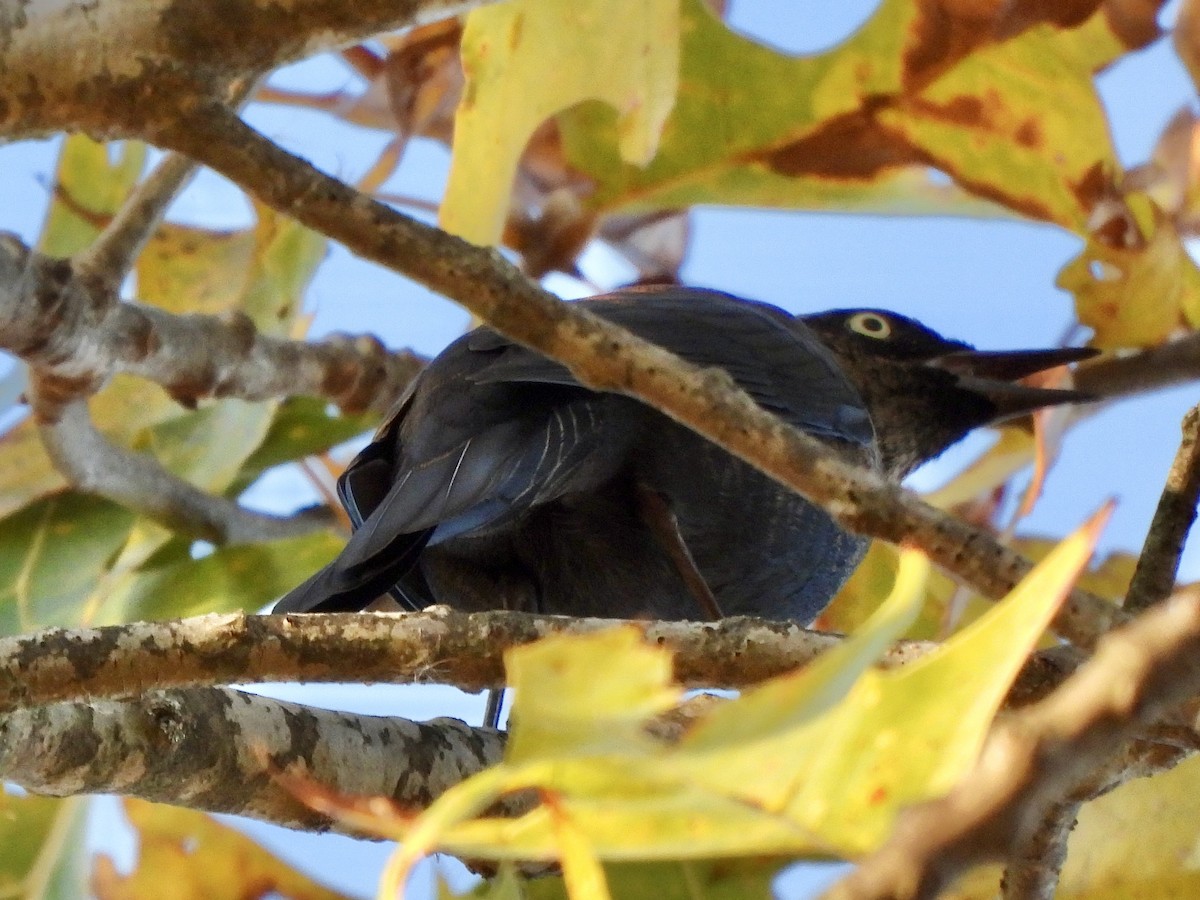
(501, 482)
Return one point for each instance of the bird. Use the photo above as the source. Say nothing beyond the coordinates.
(500, 482)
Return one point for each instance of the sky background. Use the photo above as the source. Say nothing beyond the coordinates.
(990, 283)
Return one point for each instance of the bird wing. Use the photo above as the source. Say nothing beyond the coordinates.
(771, 355)
(495, 429)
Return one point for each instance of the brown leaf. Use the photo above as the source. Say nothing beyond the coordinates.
(423, 79)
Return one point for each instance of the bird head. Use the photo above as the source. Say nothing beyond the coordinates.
(925, 392)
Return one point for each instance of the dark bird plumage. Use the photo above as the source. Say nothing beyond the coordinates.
(500, 482)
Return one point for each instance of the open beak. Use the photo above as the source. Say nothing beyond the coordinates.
(995, 374)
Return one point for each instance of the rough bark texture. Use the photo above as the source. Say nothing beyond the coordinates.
(434, 646)
(219, 750)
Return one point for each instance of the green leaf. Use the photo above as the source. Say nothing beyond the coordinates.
(54, 556)
(242, 578)
(302, 426)
(45, 855)
(208, 447)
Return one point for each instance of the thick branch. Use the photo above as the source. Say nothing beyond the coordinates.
(438, 645)
(132, 60)
(1035, 758)
(58, 324)
(73, 331)
(216, 750)
(609, 358)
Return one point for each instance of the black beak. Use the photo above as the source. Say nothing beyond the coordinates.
(995, 374)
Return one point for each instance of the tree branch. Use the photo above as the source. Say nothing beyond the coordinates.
(134, 60)
(93, 463)
(438, 645)
(1036, 863)
(110, 256)
(81, 712)
(1154, 577)
(1152, 369)
(56, 323)
(605, 357)
(68, 324)
(1035, 758)
(217, 750)
(1034, 870)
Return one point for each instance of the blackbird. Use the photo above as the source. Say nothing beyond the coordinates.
(500, 482)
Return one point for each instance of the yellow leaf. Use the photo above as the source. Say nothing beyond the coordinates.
(526, 60)
(91, 182)
(719, 879)
(187, 854)
(1140, 840)
(1136, 296)
(1143, 839)
(944, 610)
(986, 122)
(582, 872)
(1012, 452)
(909, 734)
(859, 126)
(187, 269)
(798, 698)
(26, 470)
(562, 704)
(787, 769)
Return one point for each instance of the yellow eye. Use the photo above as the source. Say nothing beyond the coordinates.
(870, 325)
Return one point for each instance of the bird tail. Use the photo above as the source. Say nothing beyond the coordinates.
(342, 588)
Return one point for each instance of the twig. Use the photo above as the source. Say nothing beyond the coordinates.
(608, 358)
(1154, 577)
(1034, 758)
(94, 464)
(438, 645)
(216, 750)
(110, 256)
(1035, 866)
(105, 262)
(1137, 373)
